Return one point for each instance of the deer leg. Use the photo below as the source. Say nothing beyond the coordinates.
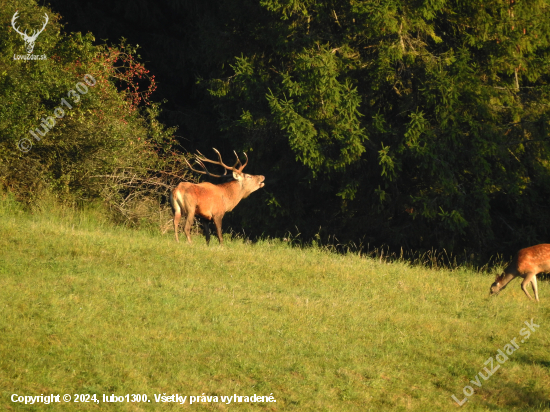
(528, 279)
(189, 223)
(535, 288)
(206, 230)
(218, 223)
(177, 217)
(176, 209)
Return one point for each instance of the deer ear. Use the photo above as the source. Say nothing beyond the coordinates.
(237, 176)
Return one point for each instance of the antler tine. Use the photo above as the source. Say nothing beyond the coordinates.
(204, 172)
(191, 167)
(243, 166)
(220, 162)
(238, 160)
(199, 161)
(203, 158)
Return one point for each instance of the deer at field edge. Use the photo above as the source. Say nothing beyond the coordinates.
(211, 202)
(526, 264)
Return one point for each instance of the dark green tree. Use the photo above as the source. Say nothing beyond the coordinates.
(414, 123)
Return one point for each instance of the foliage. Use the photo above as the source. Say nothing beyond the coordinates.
(428, 120)
(111, 126)
(413, 123)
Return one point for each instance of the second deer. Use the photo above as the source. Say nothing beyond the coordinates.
(527, 264)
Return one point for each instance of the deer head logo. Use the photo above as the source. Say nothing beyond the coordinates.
(29, 40)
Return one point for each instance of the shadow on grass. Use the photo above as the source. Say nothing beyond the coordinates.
(518, 397)
(522, 396)
(528, 360)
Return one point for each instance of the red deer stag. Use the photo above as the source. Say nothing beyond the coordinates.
(526, 264)
(211, 202)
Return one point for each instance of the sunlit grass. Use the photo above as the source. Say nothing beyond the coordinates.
(86, 307)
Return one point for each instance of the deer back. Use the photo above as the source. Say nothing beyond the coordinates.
(532, 259)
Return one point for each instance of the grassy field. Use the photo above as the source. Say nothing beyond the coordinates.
(89, 308)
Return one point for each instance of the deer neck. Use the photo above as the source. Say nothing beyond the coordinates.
(233, 193)
(507, 278)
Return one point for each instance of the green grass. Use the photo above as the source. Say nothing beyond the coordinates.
(89, 308)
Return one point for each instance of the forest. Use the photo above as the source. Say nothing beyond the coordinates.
(414, 124)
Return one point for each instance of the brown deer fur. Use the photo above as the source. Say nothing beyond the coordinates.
(210, 202)
(526, 264)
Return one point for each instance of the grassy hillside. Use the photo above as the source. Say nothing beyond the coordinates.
(88, 308)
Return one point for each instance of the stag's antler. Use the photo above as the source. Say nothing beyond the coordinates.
(202, 158)
(239, 161)
(204, 171)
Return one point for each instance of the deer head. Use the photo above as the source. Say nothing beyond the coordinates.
(495, 287)
(29, 40)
